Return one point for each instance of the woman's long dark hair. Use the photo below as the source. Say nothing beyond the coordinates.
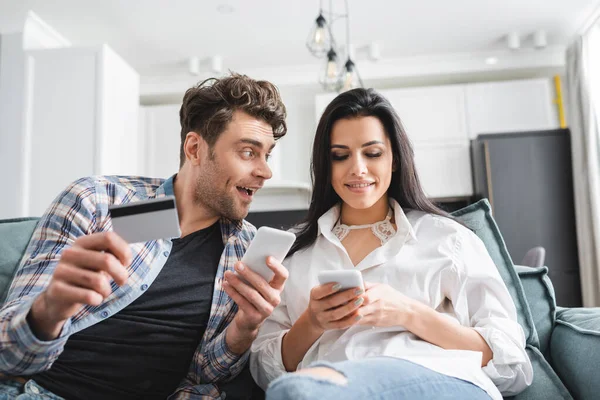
(405, 187)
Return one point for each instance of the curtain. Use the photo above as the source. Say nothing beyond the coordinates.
(583, 89)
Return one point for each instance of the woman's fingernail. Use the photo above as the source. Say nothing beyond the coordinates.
(358, 301)
(336, 287)
(358, 317)
(358, 292)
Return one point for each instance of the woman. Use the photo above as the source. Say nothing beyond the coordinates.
(435, 319)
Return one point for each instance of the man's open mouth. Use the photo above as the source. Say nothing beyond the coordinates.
(246, 190)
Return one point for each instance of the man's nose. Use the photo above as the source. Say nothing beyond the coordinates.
(263, 170)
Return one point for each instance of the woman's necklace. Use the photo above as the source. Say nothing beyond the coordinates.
(384, 230)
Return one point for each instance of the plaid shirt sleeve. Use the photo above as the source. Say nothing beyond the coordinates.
(220, 364)
(71, 215)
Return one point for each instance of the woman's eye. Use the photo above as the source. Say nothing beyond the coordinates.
(338, 157)
(374, 155)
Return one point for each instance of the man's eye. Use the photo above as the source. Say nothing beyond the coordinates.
(247, 153)
(268, 157)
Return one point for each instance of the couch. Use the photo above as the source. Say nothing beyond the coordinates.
(563, 343)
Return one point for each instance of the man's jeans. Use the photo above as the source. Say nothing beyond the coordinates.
(11, 390)
(380, 378)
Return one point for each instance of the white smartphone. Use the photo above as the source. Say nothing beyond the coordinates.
(267, 242)
(348, 278)
(146, 220)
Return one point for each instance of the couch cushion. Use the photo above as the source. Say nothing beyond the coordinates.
(478, 217)
(542, 302)
(575, 348)
(546, 384)
(15, 234)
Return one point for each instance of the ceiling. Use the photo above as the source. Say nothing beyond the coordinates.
(157, 36)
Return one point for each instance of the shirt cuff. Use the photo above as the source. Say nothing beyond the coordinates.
(226, 364)
(509, 368)
(27, 345)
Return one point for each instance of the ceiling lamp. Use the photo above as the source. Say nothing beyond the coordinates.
(321, 43)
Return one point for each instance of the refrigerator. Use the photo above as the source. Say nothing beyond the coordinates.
(527, 177)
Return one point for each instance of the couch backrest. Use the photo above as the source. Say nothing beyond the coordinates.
(14, 237)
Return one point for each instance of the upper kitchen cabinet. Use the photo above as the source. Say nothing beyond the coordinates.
(160, 139)
(81, 119)
(511, 106)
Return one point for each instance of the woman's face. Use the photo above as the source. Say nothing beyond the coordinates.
(361, 166)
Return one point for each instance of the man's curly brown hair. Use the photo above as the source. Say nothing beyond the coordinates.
(209, 106)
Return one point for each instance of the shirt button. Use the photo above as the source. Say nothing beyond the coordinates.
(144, 287)
(104, 314)
(166, 254)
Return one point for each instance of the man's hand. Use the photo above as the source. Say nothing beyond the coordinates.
(256, 301)
(82, 277)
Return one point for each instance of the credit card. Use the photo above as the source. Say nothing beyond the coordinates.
(146, 220)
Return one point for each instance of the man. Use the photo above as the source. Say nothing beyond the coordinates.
(90, 317)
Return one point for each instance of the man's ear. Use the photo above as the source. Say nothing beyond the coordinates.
(195, 148)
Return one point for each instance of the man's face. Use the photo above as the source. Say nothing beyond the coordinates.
(236, 168)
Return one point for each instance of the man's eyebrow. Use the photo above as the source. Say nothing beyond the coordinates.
(255, 143)
(341, 146)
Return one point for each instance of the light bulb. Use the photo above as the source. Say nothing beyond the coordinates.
(348, 81)
(319, 35)
(331, 69)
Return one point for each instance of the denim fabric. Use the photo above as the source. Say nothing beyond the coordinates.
(378, 378)
(30, 390)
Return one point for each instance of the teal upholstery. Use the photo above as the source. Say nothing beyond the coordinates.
(542, 302)
(546, 384)
(14, 234)
(478, 218)
(575, 349)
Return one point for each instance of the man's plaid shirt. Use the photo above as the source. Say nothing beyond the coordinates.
(80, 210)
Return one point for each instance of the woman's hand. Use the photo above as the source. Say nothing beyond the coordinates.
(384, 306)
(330, 309)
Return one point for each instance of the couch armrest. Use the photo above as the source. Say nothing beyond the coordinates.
(575, 350)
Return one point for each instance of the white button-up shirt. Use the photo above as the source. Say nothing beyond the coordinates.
(430, 259)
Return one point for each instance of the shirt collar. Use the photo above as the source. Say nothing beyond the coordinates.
(166, 189)
(403, 226)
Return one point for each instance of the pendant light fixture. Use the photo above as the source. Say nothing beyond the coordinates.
(322, 44)
(319, 37)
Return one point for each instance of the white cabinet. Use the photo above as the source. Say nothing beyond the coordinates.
(431, 114)
(444, 171)
(81, 119)
(434, 120)
(160, 135)
(512, 106)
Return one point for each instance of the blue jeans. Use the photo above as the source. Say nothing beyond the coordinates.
(30, 390)
(379, 378)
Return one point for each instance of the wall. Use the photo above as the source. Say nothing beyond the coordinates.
(12, 103)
